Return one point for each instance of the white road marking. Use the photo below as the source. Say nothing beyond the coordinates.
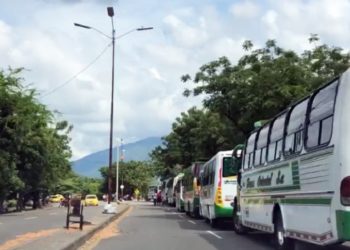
(181, 216)
(30, 218)
(53, 213)
(214, 234)
(191, 221)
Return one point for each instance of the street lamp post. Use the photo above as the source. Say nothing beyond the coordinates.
(110, 12)
(117, 171)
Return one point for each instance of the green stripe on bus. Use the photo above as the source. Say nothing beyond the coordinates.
(259, 190)
(223, 212)
(308, 201)
(343, 225)
(291, 201)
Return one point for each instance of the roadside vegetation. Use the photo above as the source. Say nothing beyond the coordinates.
(134, 175)
(34, 150)
(235, 95)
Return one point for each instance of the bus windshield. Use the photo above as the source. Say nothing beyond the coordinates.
(229, 168)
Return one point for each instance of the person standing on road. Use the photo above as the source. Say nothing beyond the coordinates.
(159, 198)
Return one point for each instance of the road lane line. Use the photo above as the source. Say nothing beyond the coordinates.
(191, 221)
(53, 213)
(30, 218)
(181, 216)
(214, 234)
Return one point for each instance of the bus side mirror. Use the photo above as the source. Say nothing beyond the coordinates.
(237, 153)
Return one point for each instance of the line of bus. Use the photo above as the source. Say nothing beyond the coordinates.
(295, 173)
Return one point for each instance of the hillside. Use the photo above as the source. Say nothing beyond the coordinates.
(137, 151)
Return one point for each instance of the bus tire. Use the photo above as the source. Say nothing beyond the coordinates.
(237, 225)
(188, 211)
(196, 213)
(212, 221)
(281, 242)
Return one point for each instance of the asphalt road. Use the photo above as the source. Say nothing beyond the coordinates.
(15, 224)
(160, 228)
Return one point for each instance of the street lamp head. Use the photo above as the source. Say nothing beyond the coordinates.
(82, 26)
(143, 28)
(110, 11)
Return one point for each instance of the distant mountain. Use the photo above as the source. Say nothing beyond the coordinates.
(137, 151)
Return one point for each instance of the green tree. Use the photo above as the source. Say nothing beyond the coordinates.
(265, 80)
(196, 135)
(34, 147)
(133, 175)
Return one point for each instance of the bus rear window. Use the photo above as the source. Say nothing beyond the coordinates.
(228, 167)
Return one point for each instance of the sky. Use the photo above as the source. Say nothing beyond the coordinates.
(60, 59)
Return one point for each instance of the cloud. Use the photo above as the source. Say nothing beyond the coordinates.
(184, 34)
(155, 74)
(245, 9)
(148, 90)
(270, 20)
(5, 31)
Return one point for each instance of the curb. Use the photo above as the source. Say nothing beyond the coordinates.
(80, 241)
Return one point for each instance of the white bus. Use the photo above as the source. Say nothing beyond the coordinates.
(179, 192)
(218, 188)
(192, 188)
(295, 177)
(170, 192)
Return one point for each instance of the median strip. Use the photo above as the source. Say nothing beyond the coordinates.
(109, 231)
(80, 242)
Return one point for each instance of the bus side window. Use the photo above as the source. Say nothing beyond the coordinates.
(249, 154)
(320, 120)
(261, 144)
(276, 138)
(205, 176)
(293, 141)
(212, 172)
(209, 173)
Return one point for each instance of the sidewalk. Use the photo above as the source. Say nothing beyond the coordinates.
(63, 239)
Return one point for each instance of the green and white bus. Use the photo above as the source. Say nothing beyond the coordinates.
(295, 176)
(218, 187)
(179, 192)
(191, 185)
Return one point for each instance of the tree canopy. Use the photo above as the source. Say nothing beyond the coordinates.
(261, 84)
(133, 175)
(265, 80)
(34, 150)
